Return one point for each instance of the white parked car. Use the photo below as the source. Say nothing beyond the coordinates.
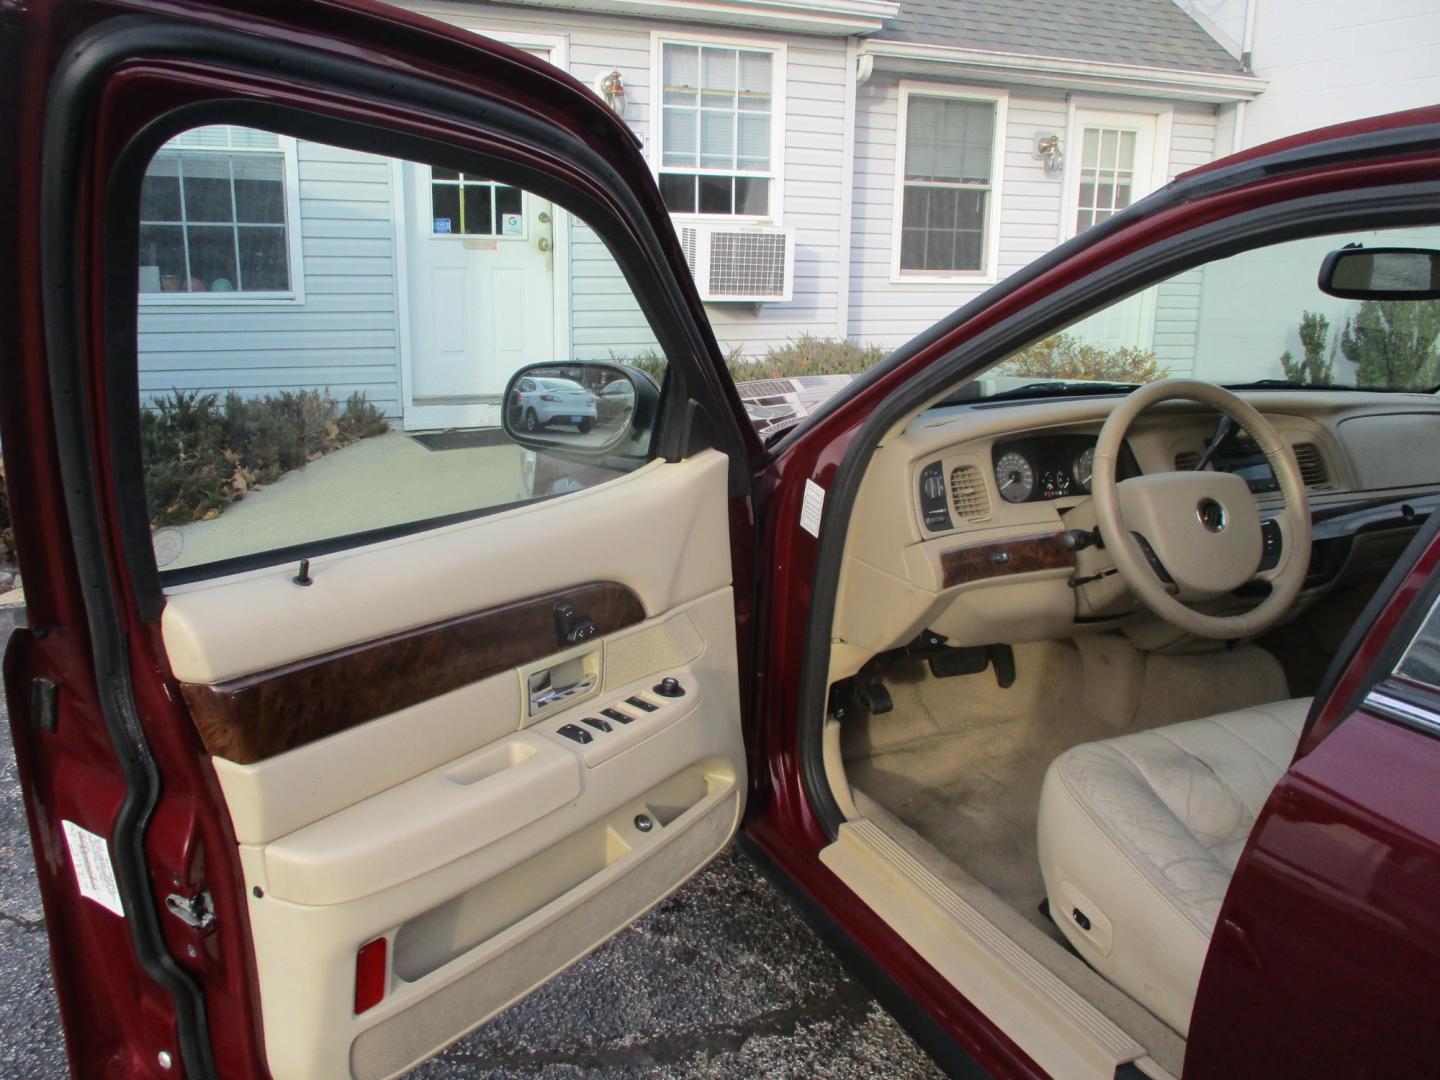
(541, 402)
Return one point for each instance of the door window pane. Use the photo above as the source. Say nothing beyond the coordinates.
(1107, 175)
(285, 426)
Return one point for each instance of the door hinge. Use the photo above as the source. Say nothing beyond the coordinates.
(196, 912)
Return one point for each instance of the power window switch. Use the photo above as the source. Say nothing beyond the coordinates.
(641, 704)
(577, 734)
(598, 725)
(616, 715)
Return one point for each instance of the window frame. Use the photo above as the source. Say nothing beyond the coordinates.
(654, 144)
(988, 273)
(494, 185)
(289, 154)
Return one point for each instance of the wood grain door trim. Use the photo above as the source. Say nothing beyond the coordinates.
(257, 716)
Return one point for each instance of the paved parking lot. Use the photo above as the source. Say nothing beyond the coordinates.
(721, 980)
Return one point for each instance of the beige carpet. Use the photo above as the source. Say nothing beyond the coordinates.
(960, 761)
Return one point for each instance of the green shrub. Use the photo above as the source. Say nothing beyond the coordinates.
(1315, 369)
(201, 453)
(1066, 357)
(808, 355)
(1392, 344)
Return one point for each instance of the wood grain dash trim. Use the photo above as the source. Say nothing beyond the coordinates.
(1003, 558)
(257, 716)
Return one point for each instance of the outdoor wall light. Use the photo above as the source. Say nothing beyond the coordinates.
(611, 88)
(1047, 149)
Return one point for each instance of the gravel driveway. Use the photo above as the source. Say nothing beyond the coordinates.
(721, 980)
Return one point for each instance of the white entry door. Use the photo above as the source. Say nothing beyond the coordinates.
(482, 294)
(1115, 159)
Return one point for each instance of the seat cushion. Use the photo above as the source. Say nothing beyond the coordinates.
(1140, 834)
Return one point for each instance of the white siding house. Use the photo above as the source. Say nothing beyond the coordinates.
(903, 154)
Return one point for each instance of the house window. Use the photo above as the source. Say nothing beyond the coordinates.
(717, 119)
(215, 211)
(1107, 175)
(469, 205)
(948, 185)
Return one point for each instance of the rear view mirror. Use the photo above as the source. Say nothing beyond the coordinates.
(1356, 273)
(584, 411)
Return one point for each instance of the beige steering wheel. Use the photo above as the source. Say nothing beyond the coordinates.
(1202, 529)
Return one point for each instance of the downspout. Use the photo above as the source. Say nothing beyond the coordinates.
(1247, 61)
(847, 190)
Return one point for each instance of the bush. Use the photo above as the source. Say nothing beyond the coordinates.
(201, 453)
(806, 355)
(1315, 369)
(1392, 344)
(1066, 357)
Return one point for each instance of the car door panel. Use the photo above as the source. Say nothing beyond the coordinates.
(372, 737)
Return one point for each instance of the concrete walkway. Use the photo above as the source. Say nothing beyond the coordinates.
(386, 480)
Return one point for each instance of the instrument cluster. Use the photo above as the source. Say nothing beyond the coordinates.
(1045, 467)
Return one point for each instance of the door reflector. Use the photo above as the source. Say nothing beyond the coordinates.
(369, 975)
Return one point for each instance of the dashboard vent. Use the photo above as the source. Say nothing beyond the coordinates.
(1312, 465)
(967, 492)
(1186, 460)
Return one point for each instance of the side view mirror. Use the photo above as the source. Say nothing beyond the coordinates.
(1357, 273)
(583, 410)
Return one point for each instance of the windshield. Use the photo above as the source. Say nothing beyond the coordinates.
(1255, 318)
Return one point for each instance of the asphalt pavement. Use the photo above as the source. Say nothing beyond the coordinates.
(723, 979)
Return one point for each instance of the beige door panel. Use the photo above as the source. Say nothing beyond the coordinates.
(486, 848)
(662, 530)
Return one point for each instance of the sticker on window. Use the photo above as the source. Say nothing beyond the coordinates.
(512, 225)
(90, 856)
(442, 225)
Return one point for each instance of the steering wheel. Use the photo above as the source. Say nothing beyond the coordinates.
(1202, 529)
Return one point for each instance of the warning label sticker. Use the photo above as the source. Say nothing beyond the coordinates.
(90, 856)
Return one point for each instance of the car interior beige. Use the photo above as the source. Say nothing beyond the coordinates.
(1075, 641)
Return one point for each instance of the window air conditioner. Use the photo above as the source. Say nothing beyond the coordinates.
(740, 263)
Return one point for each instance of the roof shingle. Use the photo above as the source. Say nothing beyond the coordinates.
(1149, 33)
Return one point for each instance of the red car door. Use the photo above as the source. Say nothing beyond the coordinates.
(1326, 956)
(321, 800)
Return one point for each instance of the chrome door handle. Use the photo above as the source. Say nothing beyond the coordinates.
(543, 695)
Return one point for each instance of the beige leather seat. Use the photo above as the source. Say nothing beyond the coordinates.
(1140, 834)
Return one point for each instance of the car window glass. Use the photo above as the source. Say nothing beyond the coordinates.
(1421, 662)
(1256, 316)
(325, 337)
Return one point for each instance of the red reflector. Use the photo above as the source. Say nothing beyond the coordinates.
(369, 975)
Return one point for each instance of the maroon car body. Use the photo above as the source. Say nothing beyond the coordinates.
(1327, 959)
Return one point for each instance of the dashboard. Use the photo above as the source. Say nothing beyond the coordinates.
(958, 522)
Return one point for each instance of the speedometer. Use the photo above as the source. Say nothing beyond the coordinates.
(1016, 477)
(1084, 467)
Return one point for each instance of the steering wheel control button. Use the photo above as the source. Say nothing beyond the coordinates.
(577, 734)
(1211, 514)
(669, 687)
(616, 715)
(1153, 559)
(1271, 544)
(640, 703)
(598, 724)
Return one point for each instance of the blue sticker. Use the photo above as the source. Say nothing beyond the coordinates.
(442, 224)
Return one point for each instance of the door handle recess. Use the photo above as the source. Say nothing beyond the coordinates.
(543, 694)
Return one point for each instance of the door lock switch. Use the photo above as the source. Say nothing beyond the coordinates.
(598, 724)
(616, 715)
(577, 734)
(640, 703)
